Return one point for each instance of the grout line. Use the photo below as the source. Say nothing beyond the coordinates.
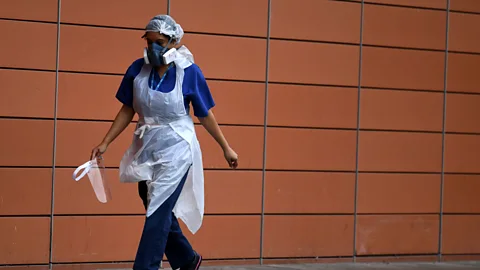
(27, 20)
(393, 47)
(355, 211)
(325, 128)
(237, 214)
(467, 53)
(271, 170)
(258, 169)
(55, 122)
(464, 12)
(367, 87)
(18, 265)
(265, 121)
(403, 6)
(444, 119)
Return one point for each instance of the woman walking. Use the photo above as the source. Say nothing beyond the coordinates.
(165, 156)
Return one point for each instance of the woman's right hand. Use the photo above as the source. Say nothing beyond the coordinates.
(99, 150)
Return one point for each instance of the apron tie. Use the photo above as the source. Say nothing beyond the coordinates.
(141, 130)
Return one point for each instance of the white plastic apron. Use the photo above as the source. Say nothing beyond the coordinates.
(165, 147)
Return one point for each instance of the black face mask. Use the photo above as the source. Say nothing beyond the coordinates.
(155, 53)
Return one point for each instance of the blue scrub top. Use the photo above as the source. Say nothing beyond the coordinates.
(195, 89)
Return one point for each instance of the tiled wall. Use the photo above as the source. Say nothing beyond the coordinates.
(340, 176)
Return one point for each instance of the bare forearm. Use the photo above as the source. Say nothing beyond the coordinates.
(210, 124)
(123, 118)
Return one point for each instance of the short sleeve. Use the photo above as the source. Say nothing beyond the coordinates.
(198, 91)
(125, 90)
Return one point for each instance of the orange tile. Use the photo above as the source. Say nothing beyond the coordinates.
(332, 21)
(38, 52)
(92, 266)
(89, 49)
(98, 90)
(24, 240)
(460, 194)
(232, 100)
(37, 11)
(111, 12)
(18, 184)
(313, 192)
(23, 267)
(401, 110)
(397, 259)
(406, 69)
(227, 237)
(463, 36)
(460, 258)
(76, 139)
(460, 109)
(404, 27)
(397, 234)
(73, 197)
(312, 106)
(96, 238)
(313, 63)
(310, 149)
(462, 153)
(308, 236)
(413, 3)
(234, 58)
(27, 142)
(21, 99)
(308, 261)
(460, 234)
(223, 262)
(400, 151)
(398, 193)
(225, 192)
(222, 16)
(461, 73)
(246, 141)
(465, 5)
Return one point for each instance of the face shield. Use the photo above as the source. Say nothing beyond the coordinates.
(95, 170)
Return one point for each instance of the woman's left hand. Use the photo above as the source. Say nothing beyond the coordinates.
(231, 157)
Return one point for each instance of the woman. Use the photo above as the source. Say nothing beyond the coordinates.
(165, 156)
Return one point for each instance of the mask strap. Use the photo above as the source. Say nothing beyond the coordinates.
(166, 47)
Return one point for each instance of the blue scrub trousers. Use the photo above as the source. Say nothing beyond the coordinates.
(162, 235)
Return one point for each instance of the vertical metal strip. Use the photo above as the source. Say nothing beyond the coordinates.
(54, 156)
(168, 7)
(442, 177)
(358, 134)
(265, 118)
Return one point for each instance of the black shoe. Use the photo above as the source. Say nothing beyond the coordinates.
(195, 264)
